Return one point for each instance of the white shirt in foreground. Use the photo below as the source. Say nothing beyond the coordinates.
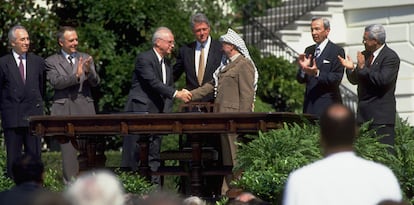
(341, 179)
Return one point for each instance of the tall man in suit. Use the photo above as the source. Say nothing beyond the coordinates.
(71, 74)
(22, 89)
(151, 92)
(320, 69)
(199, 59)
(376, 75)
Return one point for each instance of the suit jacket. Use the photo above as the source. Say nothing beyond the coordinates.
(235, 89)
(185, 62)
(20, 100)
(72, 96)
(323, 90)
(148, 93)
(376, 87)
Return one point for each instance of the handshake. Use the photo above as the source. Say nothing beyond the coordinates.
(184, 95)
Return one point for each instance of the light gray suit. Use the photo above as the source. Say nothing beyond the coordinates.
(71, 97)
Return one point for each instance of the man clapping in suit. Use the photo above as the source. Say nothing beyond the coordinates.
(320, 69)
(376, 75)
(71, 74)
(151, 92)
(22, 89)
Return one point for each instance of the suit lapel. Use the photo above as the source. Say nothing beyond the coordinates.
(191, 53)
(64, 64)
(14, 70)
(157, 66)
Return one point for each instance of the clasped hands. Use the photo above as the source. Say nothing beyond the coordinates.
(305, 62)
(349, 64)
(184, 95)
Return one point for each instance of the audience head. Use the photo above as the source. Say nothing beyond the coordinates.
(391, 202)
(163, 41)
(338, 127)
(194, 200)
(68, 39)
(28, 168)
(19, 39)
(96, 188)
(45, 197)
(162, 198)
(320, 29)
(200, 27)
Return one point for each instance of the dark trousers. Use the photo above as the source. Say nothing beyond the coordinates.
(387, 131)
(130, 153)
(19, 141)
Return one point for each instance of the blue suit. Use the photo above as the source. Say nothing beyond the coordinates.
(323, 90)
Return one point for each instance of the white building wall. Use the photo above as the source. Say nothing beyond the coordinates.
(398, 20)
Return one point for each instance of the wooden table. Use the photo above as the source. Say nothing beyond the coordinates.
(69, 127)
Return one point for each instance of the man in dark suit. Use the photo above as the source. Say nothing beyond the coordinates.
(199, 70)
(71, 74)
(28, 171)
(320, 69)
(198, 60)
(22, 89)
(151, 92)
(376, 75)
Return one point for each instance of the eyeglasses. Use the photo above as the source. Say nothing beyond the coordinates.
(169, 42)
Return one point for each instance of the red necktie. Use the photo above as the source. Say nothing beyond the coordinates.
(21, 68)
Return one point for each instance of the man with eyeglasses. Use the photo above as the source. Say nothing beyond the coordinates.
(151, 92)
(375, 74)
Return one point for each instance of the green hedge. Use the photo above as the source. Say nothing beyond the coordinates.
(268, 159)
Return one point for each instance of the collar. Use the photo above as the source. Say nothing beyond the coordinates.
(376, 52)
(16, 55)
(234, 57)
(158, 55)
(322, 45)
(66, 55)
(206, 44)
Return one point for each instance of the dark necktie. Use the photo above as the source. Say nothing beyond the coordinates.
(70, 60)
(21, 68)
(371, 57)
(317, 52)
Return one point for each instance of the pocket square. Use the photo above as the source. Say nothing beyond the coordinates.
(326, 61)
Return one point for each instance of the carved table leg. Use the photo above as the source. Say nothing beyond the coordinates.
(144, 169)
(196, 165)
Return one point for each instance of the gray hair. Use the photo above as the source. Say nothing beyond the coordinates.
(376, 31)
(326, 23)
(11, 35)
(198, 18)
(161, 31)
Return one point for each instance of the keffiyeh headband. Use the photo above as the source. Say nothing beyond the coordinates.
(234, 38)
